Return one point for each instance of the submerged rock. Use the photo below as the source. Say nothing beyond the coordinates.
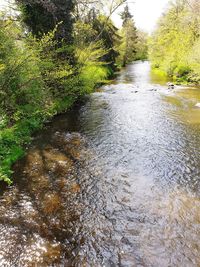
(170, 85)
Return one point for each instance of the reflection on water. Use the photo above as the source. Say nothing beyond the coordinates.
(187, 98)
(115, 182)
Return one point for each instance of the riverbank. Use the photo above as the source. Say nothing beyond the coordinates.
(174, 48)
(47, 67)
(183, 80)
(14, 139)
(39, 78)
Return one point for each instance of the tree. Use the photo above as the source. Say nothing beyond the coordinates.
(174, 45)
(43, 16)
(108, 34)
(141, 45)
(127, 47)
(126, 15)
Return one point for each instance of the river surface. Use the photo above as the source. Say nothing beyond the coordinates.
(113, 182)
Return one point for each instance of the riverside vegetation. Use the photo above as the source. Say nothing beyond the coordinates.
(51, 54)
(174, 48)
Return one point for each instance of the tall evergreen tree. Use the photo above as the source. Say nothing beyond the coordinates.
(129, 33)
(126, 15)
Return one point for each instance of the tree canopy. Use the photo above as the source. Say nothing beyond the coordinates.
(175, 45)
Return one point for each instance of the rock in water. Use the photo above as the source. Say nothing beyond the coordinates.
(170, 85)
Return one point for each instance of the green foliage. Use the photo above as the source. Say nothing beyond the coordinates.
(37, 81)
(12, 141)
(95, 29)
(93, 75)
(175, 44)
(49, 61)
(127, 47)
(93, 71)
(107, 33)
(83, 34)
(90, 56)
(21, 86)
(141, 46)
(42, 16)
(194, 62)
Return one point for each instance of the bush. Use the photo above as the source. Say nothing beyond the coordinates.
(174, 46)
(37, 82)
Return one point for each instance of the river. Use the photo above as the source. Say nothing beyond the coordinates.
(113, 182)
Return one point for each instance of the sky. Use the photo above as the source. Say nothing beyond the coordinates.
(2, 3)
(146, 13)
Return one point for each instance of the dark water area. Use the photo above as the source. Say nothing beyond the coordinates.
(113, 182)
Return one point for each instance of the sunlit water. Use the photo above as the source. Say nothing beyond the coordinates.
(115, 182)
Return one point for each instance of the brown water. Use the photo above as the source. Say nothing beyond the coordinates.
(115, 182)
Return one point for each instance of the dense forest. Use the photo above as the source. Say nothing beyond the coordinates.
(51, 54)
(174, 47)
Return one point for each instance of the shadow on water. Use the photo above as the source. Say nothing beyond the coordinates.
(39, 212)
(113, 182)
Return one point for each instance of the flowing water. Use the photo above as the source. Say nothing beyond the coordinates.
(115, 182)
